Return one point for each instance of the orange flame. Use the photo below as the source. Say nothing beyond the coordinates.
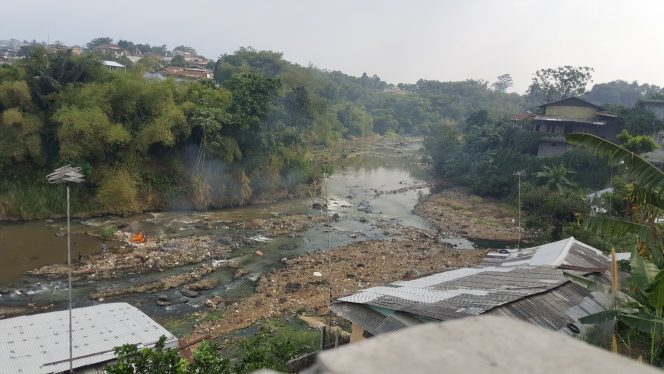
(138, 237)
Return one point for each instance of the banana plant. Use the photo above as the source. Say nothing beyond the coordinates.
(646, 196)
(639, 307)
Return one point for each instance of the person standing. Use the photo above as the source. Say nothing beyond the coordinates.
(103, 248)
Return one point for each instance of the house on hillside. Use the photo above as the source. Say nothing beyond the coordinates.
(567, 116)
(114, 66)
(186, 74)
(39, 343)
(77, 50)
(526, 284)
(110, 49)
(654, 106)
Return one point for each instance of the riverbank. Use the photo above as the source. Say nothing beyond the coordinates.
(457, 213)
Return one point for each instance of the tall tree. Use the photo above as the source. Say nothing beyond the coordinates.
(182, 49)
(554, 84)
(99, 41)
(503, 82)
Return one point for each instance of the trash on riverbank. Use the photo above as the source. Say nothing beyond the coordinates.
(151, 255)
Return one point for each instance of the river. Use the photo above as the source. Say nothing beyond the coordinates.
(375, 183)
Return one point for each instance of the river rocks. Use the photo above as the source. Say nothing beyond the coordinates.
(205, 284)
(336, 216)
(233, 264)
(180, 300)
(163, 297)
(258, 252)
(161, 284)
(364, 206)
(188, 293)
(163, 303)
(225, 240)
(255, 224)
(240, 273)
(292, 287)
(318, 206)
(213, 302)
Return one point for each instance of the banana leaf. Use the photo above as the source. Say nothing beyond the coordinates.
(656, 291)
(646, 175)
(607, 315)
(592, 285)
(644, 271)
(618, 228)
(644, 322)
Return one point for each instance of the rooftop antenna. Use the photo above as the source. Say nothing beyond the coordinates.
(67, 174)
(519, 174)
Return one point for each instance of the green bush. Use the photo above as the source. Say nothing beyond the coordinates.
(118, 193)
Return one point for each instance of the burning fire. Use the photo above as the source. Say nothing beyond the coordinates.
(138, 237)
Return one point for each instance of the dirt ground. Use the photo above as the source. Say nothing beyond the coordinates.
(458, 213)
(348, 269)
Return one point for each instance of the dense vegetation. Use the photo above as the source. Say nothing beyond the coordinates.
(273, 345)
(150, 144)
(485, 152)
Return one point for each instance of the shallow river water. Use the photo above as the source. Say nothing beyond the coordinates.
(379, 183)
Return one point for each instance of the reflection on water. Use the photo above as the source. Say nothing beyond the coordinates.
(26, 246)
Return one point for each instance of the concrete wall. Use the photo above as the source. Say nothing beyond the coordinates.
(484, 344)
(570, 112)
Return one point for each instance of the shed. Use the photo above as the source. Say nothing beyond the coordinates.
(39, 343)
(527, 284)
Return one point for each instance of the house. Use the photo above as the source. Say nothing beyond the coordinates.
(526, 284)
(39, 343)
(110, 49)
(186, 74)
(570, 115)
(77, 50)
(114, 66)
(654, 106)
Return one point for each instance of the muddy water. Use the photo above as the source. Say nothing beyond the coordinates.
(373, 185)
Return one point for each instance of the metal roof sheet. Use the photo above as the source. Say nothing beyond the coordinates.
(516, 281)
(113, 64)
(40, 343)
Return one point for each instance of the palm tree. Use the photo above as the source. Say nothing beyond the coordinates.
(555, 177)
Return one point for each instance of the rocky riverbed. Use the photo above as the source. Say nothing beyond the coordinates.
(344, 270)
(259, 261)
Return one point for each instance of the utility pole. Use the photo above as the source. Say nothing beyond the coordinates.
(519, 174)
(67, 174)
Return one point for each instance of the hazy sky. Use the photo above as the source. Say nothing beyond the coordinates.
(400, 41)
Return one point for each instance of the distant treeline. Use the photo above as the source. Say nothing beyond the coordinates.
(150, 144)
(160, 144)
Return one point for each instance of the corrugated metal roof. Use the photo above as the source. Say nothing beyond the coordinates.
(560, 119)
(112, 64)
(40, 343)
(527, 283)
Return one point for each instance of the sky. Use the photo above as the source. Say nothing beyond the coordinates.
(400, 41)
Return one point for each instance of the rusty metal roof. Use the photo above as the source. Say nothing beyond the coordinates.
(527, 283)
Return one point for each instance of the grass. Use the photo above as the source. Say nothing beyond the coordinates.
(184, 324)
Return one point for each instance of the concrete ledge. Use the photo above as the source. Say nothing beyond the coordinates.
(485, 344)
